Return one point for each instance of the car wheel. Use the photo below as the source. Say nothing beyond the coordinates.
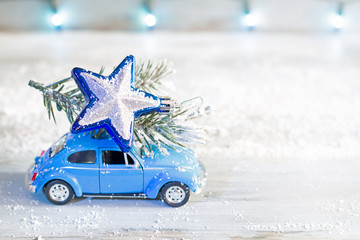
(59, 192)
(175, 194)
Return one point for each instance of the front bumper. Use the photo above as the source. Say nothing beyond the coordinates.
(28, 176)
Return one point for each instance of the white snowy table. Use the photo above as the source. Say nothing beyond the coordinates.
(284, 163)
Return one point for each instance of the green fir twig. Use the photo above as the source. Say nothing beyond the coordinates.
(152, 131)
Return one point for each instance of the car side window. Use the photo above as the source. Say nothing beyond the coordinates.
(83, 157)
(130, 160)
(113, 157)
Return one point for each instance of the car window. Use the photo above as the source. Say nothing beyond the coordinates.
(58, 146)
(113, 157)
(83, 157)
(130, 160)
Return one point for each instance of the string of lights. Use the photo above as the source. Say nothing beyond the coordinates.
(337, 18)
(249, 19)
(149, 19)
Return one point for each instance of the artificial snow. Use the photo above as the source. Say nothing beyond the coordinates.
(282, 163)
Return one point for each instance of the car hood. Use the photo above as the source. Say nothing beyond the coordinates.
(184, 158)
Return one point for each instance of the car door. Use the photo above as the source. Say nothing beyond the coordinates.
(120, 173)
(82, 166)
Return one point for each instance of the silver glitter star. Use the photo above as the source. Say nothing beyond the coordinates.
(113, 101)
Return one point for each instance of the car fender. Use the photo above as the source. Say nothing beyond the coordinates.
(158, 181)
(71, 180)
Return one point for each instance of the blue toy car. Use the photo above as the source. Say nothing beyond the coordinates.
(82, 166)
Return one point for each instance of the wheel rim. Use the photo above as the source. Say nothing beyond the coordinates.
(175, 194)
(59, 192)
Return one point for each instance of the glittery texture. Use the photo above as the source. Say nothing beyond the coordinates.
(113, 102)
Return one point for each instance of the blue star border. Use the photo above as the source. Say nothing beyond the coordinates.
(91, 99)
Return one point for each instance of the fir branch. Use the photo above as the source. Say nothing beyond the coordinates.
(149, 75)
(173, 131)
(152, 131)
(71, 101)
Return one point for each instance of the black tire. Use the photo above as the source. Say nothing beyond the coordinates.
(59, 192)
(175, 194)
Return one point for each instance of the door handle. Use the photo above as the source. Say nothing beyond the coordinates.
(104, 172)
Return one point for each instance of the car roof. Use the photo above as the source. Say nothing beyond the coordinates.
(86, 140)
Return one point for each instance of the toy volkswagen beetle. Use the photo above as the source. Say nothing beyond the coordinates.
(82, 166)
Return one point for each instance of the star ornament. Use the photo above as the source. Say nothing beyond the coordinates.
(113, 102)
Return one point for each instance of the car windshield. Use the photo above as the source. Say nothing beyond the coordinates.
(58, 146)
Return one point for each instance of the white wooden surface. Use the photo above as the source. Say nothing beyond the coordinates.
(284, 163)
